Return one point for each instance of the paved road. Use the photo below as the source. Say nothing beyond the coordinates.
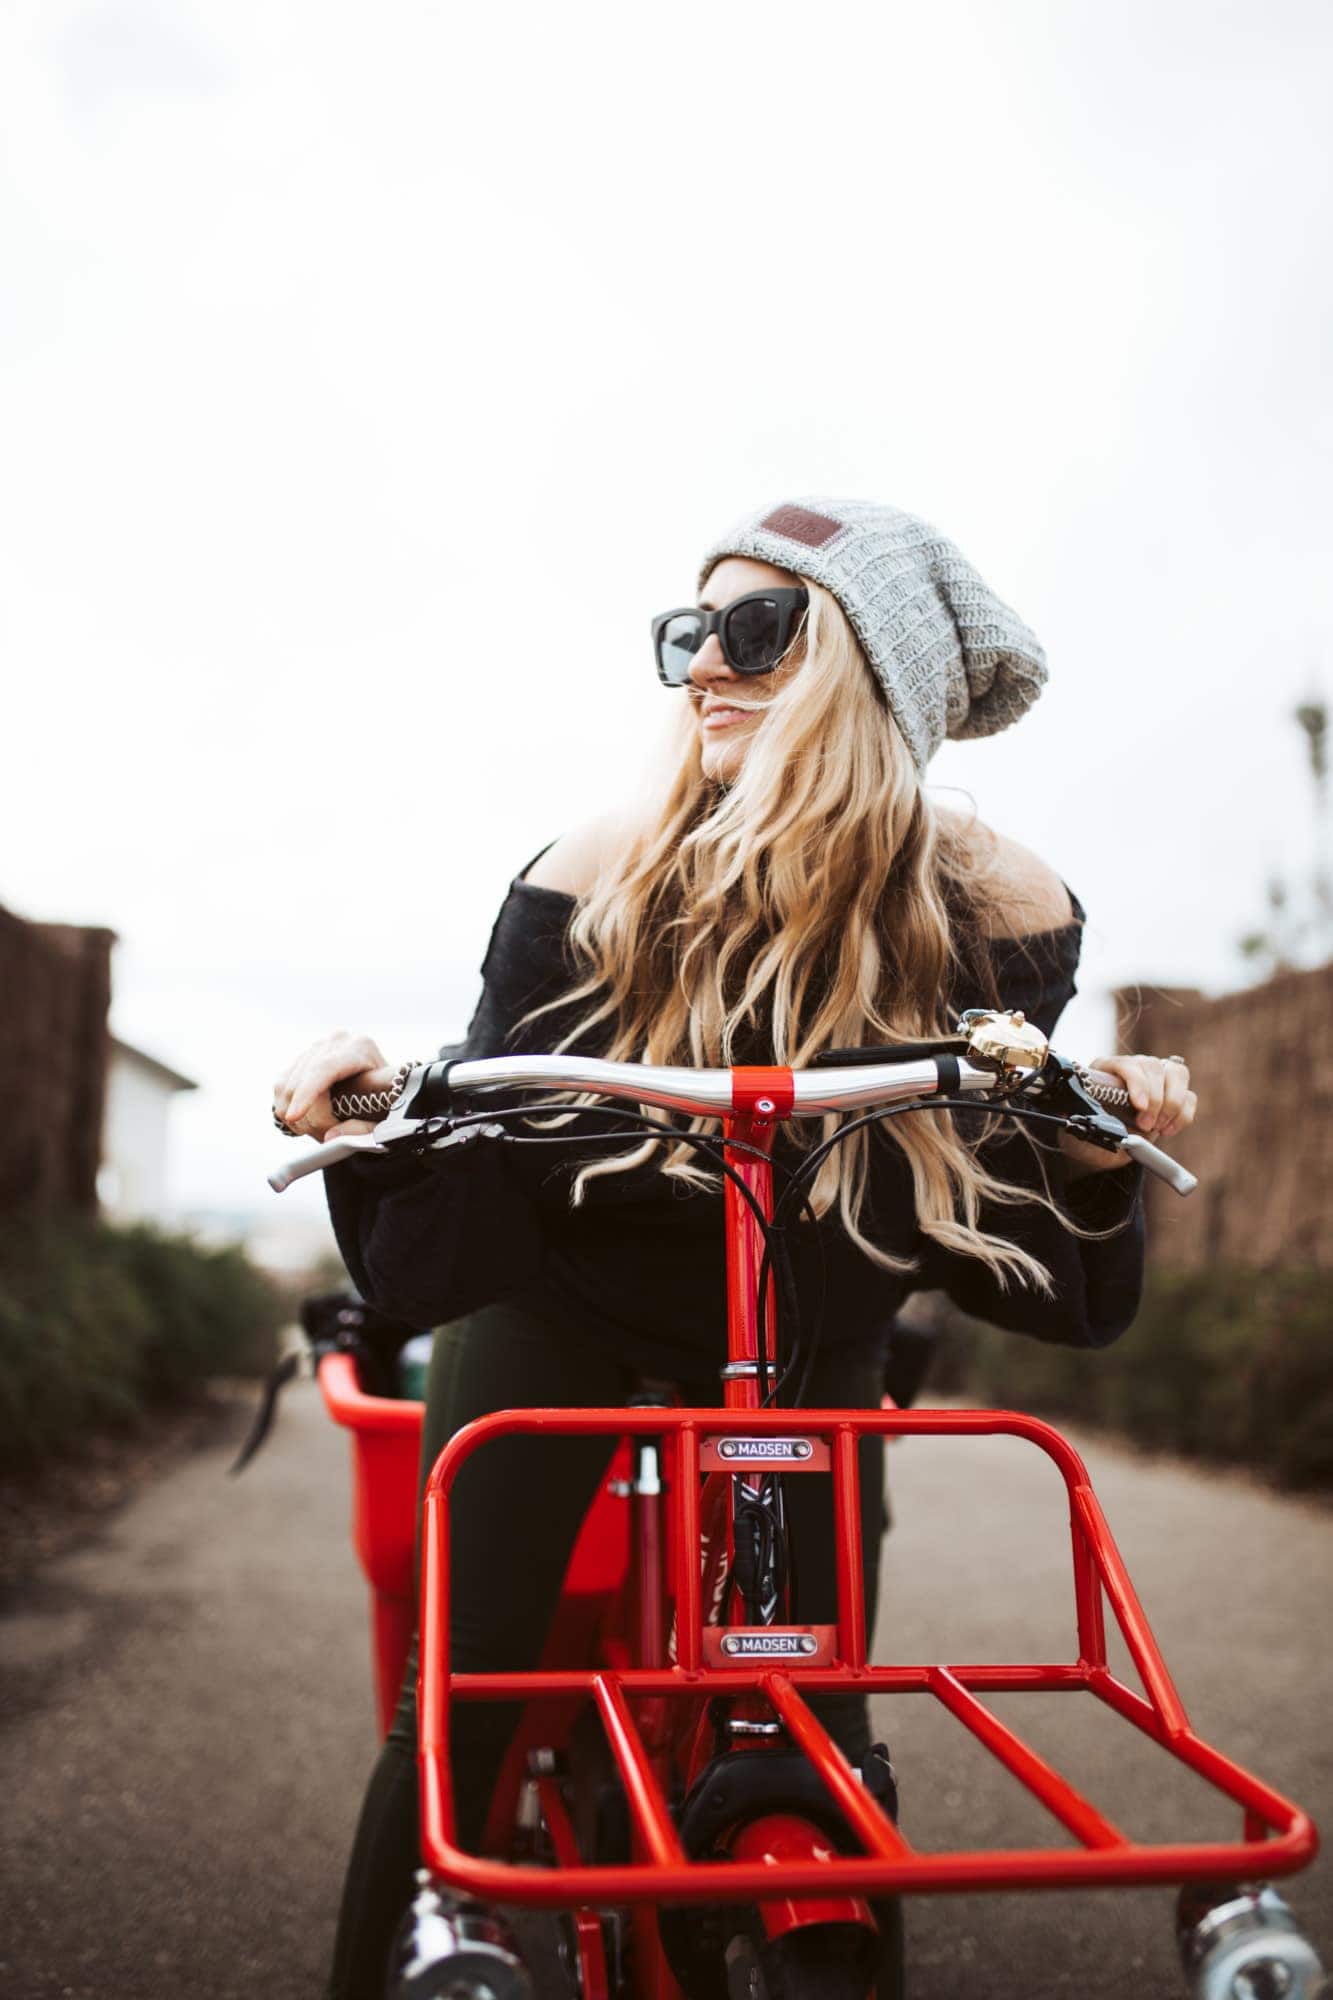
(187, 1722)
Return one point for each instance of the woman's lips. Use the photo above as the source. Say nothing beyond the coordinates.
(720, 718)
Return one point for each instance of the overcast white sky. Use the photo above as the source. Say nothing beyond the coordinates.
(371, 375)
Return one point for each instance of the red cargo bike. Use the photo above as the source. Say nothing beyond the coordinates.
(742, 1854)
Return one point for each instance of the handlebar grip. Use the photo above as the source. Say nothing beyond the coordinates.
(1107, 1089)
(1157, 1162)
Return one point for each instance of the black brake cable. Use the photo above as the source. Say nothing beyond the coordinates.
(805, 1173)
(795, 1192)
(777, 1257)
(809, 1167)
(703, 1141)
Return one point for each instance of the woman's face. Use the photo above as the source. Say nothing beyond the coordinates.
(725, 732)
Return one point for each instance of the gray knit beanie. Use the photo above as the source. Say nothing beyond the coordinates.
(952, 659)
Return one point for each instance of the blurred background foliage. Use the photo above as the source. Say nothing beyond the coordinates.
(101, 1325)
(1228, 1364)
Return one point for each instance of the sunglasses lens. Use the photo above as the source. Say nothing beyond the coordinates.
(754, 635)
(677, 644)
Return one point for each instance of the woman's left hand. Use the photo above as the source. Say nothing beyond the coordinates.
(1161, 1105)
(1159, 1091)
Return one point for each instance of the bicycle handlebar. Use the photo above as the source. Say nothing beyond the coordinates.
(698, 1092)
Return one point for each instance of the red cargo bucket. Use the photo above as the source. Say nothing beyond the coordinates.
(385, 1436)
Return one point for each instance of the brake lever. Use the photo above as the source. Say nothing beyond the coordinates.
(395, 1134)
(1059, 1083)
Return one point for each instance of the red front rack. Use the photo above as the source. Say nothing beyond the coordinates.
(1276, 1837)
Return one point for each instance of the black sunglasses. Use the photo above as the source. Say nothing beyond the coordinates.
(754, 632)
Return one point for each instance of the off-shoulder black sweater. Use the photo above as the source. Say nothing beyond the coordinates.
(640, 1263)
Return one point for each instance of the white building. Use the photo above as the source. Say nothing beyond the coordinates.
(132, 1179)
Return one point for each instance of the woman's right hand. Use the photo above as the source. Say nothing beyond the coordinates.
(302, 1094)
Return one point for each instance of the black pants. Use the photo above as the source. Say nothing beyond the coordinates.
(516, 1510)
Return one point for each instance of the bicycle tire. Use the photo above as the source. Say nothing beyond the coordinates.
(825, 1962)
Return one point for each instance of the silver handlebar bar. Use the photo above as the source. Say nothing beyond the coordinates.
(710, 1092)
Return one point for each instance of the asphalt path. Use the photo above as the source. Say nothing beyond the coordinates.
(187, 1723)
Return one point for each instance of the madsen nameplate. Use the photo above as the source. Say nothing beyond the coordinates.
(769, 1645)
(765, 1450)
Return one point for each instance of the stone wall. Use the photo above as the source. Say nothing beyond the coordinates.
(55, 990)
(1262, 1063)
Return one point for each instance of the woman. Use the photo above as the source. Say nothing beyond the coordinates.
(789, 888)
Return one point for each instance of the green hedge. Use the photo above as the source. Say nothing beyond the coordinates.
(1227, 1364)
(97, 1324)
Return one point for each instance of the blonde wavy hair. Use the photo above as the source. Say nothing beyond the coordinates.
(801, 906)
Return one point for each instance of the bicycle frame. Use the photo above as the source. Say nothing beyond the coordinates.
(767, 1671)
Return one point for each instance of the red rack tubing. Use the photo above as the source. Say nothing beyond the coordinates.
(986, 1679)
(1103, 1683)
(864, 1817)
(1056, 1793)
(912, 1873)
(1087, 1594)
(847, 1510)
(647, 1806)
(890, 1863)
(760, 1423)
(1251, 1793)
(1129, 1614)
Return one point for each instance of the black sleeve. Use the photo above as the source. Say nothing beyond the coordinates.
(1097, 1283)
(429, 1240)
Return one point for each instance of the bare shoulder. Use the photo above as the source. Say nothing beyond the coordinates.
(1017, 893)
(573, 863)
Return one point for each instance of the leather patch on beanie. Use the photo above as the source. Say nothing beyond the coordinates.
(798, 524)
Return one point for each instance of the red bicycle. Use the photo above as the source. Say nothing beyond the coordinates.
(735, 1852)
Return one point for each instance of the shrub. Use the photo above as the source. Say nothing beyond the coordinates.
(1229, 1364)
(98, 1323)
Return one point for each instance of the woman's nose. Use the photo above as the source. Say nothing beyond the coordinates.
(710, 664)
